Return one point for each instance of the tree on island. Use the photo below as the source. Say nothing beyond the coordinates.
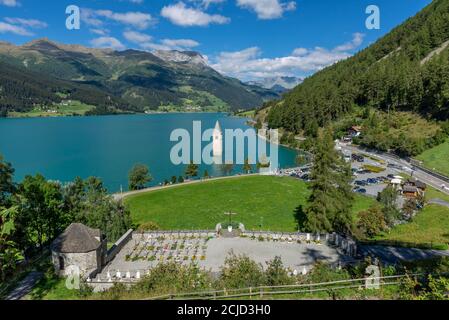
(227, 168)
(330, 203)
(192, 170)
(247, 168)
(180, 179)
(138, 177)
(173, 180)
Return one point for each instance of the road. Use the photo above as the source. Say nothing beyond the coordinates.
(392, 255)
(415, 172)
(25, 286)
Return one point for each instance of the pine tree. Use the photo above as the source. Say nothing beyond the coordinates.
(330, 203)
(192, 170)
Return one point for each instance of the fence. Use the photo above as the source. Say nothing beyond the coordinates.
(270, 291)
(344, 244)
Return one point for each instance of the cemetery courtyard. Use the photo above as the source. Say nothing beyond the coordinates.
(144, 251)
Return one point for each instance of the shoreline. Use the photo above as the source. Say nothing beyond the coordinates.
(121, 196)
(52, 116)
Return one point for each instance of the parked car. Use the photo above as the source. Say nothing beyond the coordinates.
(363, 191)
(372, 181)
(361, 183)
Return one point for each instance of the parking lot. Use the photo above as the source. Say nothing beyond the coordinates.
(365, 181)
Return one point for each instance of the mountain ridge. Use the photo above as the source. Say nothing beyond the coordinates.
(174, 80)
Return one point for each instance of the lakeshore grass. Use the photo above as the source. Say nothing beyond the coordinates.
(261, 202)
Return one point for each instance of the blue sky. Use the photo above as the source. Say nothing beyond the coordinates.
(248, 39)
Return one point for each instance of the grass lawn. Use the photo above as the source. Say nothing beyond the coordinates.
(429, 226)
(74, 108)
(52, 288)
(256, 199)
(437, 158)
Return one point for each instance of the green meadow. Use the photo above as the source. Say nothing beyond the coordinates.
(260, 202)
(437, 158)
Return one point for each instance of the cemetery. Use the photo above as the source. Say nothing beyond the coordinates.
(208, 249)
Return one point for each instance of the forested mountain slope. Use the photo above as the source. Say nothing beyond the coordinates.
(391, 75)
(21, 90)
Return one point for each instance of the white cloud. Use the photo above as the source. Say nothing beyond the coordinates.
(100, 32)
(248, 64)
(11, 28)
(206, 3)
(170, 44)
(182, 15)
(298, 52)
(9, 3)
(180, 43)
(31, 23)
(107, 42)
(136, 37)
(137, 20)
(357, 40)
(267, 9)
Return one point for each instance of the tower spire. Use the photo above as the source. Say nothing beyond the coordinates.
(218, 140)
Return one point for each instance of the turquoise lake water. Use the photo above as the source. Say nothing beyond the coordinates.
(107, 146)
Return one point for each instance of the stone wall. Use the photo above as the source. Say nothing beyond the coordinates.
(86, 262)
(115, 249)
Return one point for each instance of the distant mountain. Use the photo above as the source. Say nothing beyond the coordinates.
(130, 80)
(278, 84)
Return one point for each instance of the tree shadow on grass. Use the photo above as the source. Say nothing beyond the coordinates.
(48, 283)
(300, 217)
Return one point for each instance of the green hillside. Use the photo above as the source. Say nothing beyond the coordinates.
(137, 80)
(407, 70)
(22, 90)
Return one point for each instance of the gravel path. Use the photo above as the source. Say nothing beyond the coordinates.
(439, 202)
(25, 286)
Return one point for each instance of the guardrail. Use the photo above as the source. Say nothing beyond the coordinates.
(438, 175)
(268, 291)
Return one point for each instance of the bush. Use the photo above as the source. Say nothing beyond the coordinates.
(241, 272)
(173, 278)
(276, 274)
(148, 226)
(371, 222)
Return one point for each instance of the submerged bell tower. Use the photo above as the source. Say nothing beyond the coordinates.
(218, 140)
